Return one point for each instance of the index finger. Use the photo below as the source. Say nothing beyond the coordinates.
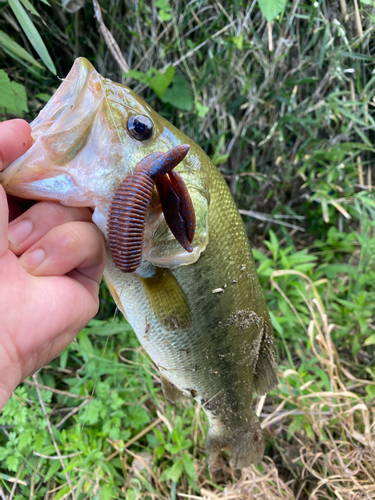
(15, 140)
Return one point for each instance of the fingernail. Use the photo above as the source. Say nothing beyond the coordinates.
(18, 232)
(32, 260)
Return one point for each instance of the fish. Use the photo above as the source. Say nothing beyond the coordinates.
(193, 296)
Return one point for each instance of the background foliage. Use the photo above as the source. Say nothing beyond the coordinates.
(281, 96)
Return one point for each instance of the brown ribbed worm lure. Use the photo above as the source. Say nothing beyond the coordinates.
(126, 220)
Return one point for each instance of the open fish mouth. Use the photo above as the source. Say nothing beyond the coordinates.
(90, 140)
(60, 132)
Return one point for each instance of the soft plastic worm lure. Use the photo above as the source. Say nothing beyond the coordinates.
(125, 225)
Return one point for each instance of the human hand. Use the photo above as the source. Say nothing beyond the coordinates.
(50, 271)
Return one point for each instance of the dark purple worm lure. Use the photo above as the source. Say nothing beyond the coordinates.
(126, 220)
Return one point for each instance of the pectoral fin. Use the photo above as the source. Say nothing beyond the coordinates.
(167, 300)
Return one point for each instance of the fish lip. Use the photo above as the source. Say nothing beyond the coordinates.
(36, 174)
(26, 183)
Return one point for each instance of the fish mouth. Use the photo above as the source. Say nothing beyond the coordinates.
(60, 132)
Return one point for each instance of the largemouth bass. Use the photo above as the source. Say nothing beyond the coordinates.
(198, 310)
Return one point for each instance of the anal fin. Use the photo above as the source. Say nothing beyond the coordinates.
(170, 391)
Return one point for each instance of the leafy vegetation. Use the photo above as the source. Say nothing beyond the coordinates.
(280, 95)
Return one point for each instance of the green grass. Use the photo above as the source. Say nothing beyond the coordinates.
(292, 131)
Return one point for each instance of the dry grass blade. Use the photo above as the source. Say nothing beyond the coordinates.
(35, 378)
(57, 391)
(268, 218)
(109, 39)
(340, 459)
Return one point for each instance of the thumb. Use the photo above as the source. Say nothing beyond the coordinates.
(3, 222)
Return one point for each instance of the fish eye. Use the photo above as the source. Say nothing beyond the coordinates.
(140, 127)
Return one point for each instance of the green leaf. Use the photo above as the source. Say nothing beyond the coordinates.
(48, 450)
(159, 82)
(114, 433)
(137, 75)
(179, 95)
(105, 328)
(238, 41)
(64, 358)
(332, 270)
(309, 431)
(370, 389)
(24, 439)
(271, 8)
(164, 16)
(220, 159)
(12, 463)
(200, 109)
(356, 345)
(137, 417)
(12, 96)
(363, 136)
(30, 7)
(93, 412)
(276, 324)
(173, 473)
(370, 340)
(324, 45)
(296, 425)
(32, 34)
(6, 96)
(165, 10)
(85, 345)
(160, 450)
(356, 55)
(14, 48)
(162, 4)
(273, 245)
(106, 492)
(61, 493)
(43, 97)
(363, 326)
(55, 466)
(189, 466)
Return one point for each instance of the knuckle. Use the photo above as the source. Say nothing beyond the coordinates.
(60, 214)
(55, 211)
(71, 238)
(80, 236)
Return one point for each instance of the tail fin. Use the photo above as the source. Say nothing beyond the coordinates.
(245, 444)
